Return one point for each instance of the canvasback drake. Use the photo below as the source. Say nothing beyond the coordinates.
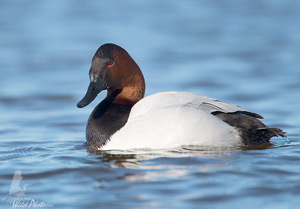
(127, 120)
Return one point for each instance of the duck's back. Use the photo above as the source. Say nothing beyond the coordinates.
(168, 99)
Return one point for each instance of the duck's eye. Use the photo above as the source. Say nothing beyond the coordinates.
(110, 63)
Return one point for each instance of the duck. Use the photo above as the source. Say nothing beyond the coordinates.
(125, 119)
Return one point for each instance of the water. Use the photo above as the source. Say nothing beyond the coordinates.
(243, 52)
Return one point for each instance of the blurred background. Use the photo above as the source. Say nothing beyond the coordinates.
(237, 51)
(242, 52)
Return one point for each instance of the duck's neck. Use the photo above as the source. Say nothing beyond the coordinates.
(131, 93)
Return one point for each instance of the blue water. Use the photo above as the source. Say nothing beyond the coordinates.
(242, 52)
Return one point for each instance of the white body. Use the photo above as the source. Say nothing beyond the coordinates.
(173, 119)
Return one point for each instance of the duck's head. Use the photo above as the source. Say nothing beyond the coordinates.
(114, 70)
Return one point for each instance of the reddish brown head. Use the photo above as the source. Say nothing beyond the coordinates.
(114, 69)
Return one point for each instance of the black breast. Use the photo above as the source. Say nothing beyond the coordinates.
(104, 121)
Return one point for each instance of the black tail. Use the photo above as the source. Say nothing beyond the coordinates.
(251, 130)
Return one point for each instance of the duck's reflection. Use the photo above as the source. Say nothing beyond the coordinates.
(157, 159)
(159, 165)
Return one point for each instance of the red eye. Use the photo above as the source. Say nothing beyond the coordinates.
(110, 63)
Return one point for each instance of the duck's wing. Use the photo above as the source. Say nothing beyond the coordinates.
(216, 106)
(167, 99)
